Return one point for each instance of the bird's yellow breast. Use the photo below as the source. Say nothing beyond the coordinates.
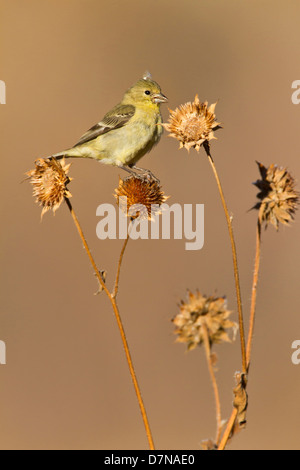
(128, 144)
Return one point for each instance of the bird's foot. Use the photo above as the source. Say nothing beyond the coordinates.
(143, 174)
(147, 174)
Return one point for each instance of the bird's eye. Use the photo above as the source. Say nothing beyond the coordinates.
(147, 92)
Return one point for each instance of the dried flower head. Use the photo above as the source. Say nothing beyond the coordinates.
(203, 312)
(278, 197)
(139, 197)
(193, 124)
(49, 180)
(240, 399)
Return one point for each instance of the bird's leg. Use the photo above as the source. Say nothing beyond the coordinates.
(142, 171)
(146, 173)
(128, 169)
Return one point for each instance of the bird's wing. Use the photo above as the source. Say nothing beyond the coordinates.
(114, 119)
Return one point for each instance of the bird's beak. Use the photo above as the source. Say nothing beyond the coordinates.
(159, 98)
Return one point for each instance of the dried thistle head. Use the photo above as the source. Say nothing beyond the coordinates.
(199, 313)
(193, 124)
(49, 180)
(144, 194)
(278, 199)
(240, 399)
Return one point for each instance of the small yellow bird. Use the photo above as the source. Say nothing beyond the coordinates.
(128, 131)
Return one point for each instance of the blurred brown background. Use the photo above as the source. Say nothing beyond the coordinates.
(66, 383)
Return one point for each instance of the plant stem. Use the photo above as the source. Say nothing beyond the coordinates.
(254, 293)
(214, 383)
(116, 288)
(86, 247)
(133, 374)
(228, 429)
(235, 262)
(118, 318)
(231, 421)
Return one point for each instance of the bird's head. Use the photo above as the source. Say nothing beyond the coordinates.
(145, 92)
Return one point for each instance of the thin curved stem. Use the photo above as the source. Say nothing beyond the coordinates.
(118, 319)
(214, 383)
(254, 293)
(231, 422)
(86, 247)
(228, 429)
(116, 288)
(235, 263)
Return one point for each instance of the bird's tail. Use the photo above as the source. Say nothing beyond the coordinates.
(70, 153)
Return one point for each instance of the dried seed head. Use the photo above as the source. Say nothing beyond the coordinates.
(240, 399)
(193, 124)
(139, 197)
(203, 312)
(49, 180)
(278, 197)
